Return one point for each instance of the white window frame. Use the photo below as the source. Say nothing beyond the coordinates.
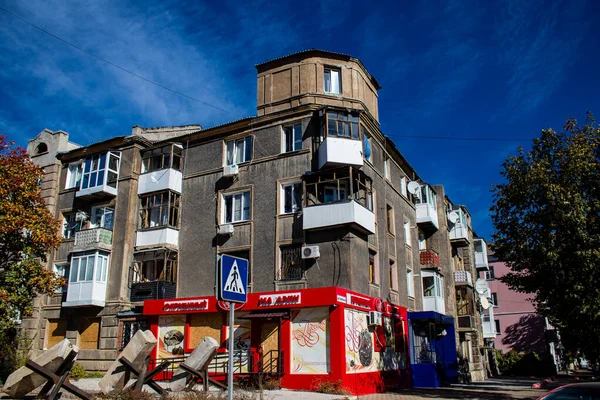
(407, 235)
(422, 241)
(438, 284)
(294, 129)
(99, 271)
(335, 80)
(231, 150)
(101, 211)
(387, 172)
(295, 186)
(103, 167)
(410, 282)
(62, 270)
(403, 186)
(74, 175)
(67, 222)
(243, 199)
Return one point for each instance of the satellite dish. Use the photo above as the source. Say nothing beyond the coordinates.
(414, 187)
(484, 302)
(481, 286)
(453, 217)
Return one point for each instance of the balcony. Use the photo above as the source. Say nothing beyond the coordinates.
(336, 198)
(156, 290)
(462, 278)
(93, 239)
(157, 236)
(433, 292)
(489, 329)
(164, 179)
(429, 259)
(425, 203)
(481, 261)
(340, 151)
(99, 177)
(459, 231)
(87, 280)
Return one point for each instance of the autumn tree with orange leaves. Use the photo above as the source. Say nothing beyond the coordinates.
(27, 232)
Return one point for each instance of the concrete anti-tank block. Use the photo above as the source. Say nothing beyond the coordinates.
(24, 380)
(199, 357)
(136, 351)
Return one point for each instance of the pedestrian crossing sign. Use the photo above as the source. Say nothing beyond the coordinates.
(233, 279)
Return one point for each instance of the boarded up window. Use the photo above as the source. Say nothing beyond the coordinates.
(57, 331)
(89, 333)
(202, 325)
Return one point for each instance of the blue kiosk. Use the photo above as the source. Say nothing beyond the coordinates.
(433, 357)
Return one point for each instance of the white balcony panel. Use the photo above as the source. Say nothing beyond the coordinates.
(434, 303)
(427, 215)
(163, 179)
(489, 329)
(100, 189)
(481, 262)
(340, 151)
(157, 236)
(459, 232)
(332, 214)
(90, 293)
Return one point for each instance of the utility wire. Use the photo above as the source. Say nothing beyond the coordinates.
(461, 138)
(113, 64)
(6, 123)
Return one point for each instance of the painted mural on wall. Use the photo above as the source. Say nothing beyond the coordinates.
(171, 335)
(360, 355)
(310, 341)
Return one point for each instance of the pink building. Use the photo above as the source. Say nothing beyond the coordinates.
(517, 324)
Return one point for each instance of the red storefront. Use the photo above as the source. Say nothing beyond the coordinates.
(307, 336)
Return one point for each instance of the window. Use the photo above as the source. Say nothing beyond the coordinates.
(489, 275)
(164, 157)
(291, 200)
(73, 176)
(410, 282)
(41, 148)
(497, 321)
(89, 333)
(422, 241)
(83, 266)
(390, 219)
(96, 172)
(332, 80)
(239, 150)
(292, 265)
(103, 217)
(373, 267)
(407, 236)
(62, 270)
(342, 124)
(160, 209)
(433, 285)
(130, 328)
(151, 266)
(292, 138)
(403, 188)
(236, 207)
(367, 148)
(393, 276)
(495, 299)
(70, 225)
(57, 331)
(387, 168)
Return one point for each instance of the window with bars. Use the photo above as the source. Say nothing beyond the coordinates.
(292, 264)
(129, 328)
(160, 209)
(151, 266)
(162, 158)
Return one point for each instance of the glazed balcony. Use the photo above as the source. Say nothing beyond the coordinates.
(99, 177)
(340, 140)
(157, 236)
(161, 169)
(481, 259)
(463, 278)
(429, 259)
(87, 280)
(164, 179)
(459, 231)
(336, 198)
(93, 239)
(425, 203)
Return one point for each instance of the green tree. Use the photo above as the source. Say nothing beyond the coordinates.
(547, 220)
(27, 232)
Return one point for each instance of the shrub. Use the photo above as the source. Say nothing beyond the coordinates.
(330, 387)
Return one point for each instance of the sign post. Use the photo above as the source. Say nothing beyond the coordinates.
(233, 281)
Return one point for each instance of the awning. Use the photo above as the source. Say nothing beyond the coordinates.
(430, 316)
(272, 314)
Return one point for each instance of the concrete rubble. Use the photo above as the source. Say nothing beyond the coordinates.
(24, 380)
(202, 354)
(136, 351)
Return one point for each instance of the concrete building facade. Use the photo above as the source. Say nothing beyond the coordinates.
(310, 192)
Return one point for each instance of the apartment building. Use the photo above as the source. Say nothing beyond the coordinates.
(354, 261)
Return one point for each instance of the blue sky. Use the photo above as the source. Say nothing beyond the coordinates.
(487, 69)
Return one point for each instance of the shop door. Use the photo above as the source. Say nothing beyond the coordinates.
(269, 344)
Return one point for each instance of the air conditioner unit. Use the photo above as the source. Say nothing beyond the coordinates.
(226, 229)
(231, 170)
(375, 318)
(310, 252)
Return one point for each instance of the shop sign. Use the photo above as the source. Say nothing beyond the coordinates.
(185, 305)
(359, 301)
(273, 300)
(341, 299)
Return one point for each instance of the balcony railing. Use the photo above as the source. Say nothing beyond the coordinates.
(462, 277)
(429, 259)
(155, 290)
(425, 203)
(95, 238)
(164, 179)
